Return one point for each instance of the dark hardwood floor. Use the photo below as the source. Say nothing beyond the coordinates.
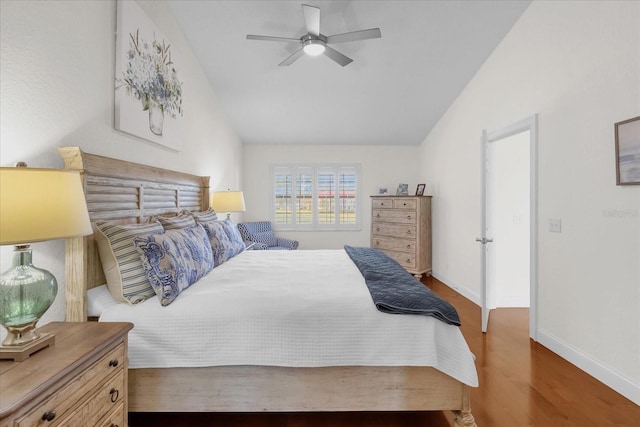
(521, 384)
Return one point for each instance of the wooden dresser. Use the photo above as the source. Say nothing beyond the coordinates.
(401, 227)
(79, 381)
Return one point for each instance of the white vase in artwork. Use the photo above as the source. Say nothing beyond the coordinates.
(156, 117)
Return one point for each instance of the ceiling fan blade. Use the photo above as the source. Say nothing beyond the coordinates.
(337, 56)
(272, 39)
(291, 59)
(372, 33)
(311, 19)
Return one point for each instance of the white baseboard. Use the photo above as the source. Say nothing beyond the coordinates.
(473, 297)
(623, 385)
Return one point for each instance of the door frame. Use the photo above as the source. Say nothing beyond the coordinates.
(528, 124)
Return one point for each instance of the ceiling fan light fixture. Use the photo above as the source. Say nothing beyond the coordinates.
(313, 47)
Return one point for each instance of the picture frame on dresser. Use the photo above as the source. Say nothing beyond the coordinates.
(403, 190)
(420, 189)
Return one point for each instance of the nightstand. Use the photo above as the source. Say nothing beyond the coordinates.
(79, 381)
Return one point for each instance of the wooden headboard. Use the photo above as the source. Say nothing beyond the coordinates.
(123, 192)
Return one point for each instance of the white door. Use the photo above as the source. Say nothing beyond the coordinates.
(509, 220)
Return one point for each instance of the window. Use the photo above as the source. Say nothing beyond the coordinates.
(316, 197)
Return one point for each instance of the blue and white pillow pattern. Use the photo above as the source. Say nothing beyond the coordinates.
(234, 235)
(224, 238)
(175, 260)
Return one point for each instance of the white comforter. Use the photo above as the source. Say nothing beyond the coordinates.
(304, 308)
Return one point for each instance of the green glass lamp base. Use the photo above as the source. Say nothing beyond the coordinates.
(26, 292)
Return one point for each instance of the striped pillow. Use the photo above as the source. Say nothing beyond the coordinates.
(126, 278)
(176, 222)
(205, 216)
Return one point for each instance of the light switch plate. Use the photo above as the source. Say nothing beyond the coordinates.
(555, 225)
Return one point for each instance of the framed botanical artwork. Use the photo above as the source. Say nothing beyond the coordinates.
(148, 94)
(420, 190)
(627, 134)
(403, 190)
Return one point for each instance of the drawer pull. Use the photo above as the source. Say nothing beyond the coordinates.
(377, 242)
(377, 228)
(408, 260)
(113, 425)
(113, 363)
(408, 231)
(48, 416)
(404, 204)
(408, 216)
(114, 395)
(408, 246)
(378, 216)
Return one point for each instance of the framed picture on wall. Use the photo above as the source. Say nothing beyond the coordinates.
(627, 134)
(420, 190)
(148, 83)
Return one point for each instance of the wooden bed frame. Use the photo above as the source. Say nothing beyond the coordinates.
(127, 192)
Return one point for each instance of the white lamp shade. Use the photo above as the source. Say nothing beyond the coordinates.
(41, 204)
(228, 201)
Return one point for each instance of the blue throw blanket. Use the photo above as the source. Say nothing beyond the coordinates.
(396, 291)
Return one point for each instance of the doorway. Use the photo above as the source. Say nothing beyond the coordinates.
(509, 220)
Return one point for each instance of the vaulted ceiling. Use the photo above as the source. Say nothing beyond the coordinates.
(394, 92)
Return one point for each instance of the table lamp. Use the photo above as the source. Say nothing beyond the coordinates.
(228, 201)
(35, 205)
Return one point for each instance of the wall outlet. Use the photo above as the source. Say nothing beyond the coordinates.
(555, 225)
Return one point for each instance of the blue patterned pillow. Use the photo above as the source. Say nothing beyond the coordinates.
(231, 229)
(224, 248)
(175, 260)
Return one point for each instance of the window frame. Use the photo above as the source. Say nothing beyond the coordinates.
(316, 168)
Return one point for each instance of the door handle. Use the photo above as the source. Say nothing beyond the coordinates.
(484, 240)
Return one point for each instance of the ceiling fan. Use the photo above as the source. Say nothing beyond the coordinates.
(314, 43)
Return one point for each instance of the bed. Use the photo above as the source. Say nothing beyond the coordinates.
(125, 192)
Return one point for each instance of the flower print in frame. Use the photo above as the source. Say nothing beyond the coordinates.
(149, 88)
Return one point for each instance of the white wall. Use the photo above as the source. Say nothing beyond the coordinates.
(57, 89)
(382, 166)
(576, 64)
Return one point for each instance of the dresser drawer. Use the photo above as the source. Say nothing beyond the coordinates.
(405, 204)
(393, 244)
(102, 401)
(407, 260)
(401, 217)
(393, 230)
(64, 400)
(382, 203)
(117, 418)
